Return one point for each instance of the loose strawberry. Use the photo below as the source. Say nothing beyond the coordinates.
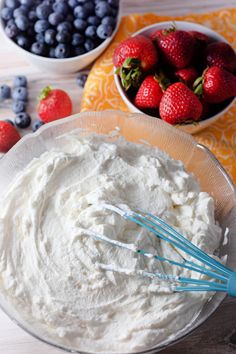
(187, 75)
(133, 57)
(176, 46)
(8, 136)
(179, 104)
(222, 55)
(54, 104)
(216, 85)
(149, 94)
(199, 36)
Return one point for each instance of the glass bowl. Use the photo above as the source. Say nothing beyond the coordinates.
(141, 129)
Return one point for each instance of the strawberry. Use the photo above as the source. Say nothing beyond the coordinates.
(133, 57)
(187, 75)
(222, 55)
(179, 104)
(149, 93)
(216, 85)
(176, 46)
(8, 136)
(54, 104)
(199, 36)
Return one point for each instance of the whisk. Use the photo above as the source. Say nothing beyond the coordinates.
(221, 278)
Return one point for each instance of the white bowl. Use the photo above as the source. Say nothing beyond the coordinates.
(182, 25)
(61, 66)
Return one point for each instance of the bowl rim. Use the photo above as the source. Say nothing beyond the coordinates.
(202, 123)
(102, 46)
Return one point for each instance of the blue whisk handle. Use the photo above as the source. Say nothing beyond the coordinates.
(231, 286)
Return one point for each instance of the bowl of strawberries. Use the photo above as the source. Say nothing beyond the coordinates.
(180, 72)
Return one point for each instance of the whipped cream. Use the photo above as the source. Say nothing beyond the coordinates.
(85, 293)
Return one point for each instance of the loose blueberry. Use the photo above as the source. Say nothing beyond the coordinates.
(108, 20)
(50, 36)
(20, 94)
(41, 26)
(72, 3)
(40, 38)
(22, 120)
(22, 22)
(62, 51)
(19, 106)
(11, 30)
(113, 3)
(38, 48)
(55, 18)
(89, 45)
(43, 11)
(10, 122)
(64, 26)
(6, 13)
(5, 92)
(104, 31)
(23, 41)
(102, 9)
(91, 32)
(32, 16)
(63, 37)
(36, 125)
(77, 39)
(20, 81)
(93, 20)
(13, 4)
(60, 8)
(81, 79)
(80, 24)
(80, 12)
(78, 51)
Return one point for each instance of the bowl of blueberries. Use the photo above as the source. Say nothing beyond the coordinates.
(61, 36)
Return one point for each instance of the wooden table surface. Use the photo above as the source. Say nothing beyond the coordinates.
(215, 336)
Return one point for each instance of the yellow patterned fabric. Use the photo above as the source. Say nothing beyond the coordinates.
(100, 91)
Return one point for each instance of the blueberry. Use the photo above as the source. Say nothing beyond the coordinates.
(91, 32)
(104, 31)
(108, 20)
(41, 26)
(78, 51)
(10, 122)
(64, 26)
(23, 41)
(81, 79)
(22, 22)
(51, 53)
(80, 24)
(38, 48)
(89, 45)
(6, 13)
(43, 11)
(20, 94)
(13, 4)
(20, 81)
(20, 11)
(94, 20)
(63, 37)
(40, 38)
(28, 3)
(32, 16)
(80, 12)
(50, 36)
(89, 6)
(102, 9)
(113, 3)
(37, 124)
(11, 30)
(22, 120)
(55, 18)
(72, 3)
(5, 92)
(60, 8)
(62, 51)
(19, 106)
(77, 39)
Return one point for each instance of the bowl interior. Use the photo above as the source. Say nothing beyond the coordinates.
(141, 129)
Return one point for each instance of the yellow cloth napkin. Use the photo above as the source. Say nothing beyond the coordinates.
(100, 91)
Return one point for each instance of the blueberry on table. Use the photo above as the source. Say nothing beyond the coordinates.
(60, 8)
(81, 12)
(77, 39)
(104, 31)
(41, 26)
(12, 3)
(20, 81)
(22, 22)
(37, 124)
(80, 24)
(19, 106)
(78, 51)
(20, 94)
(6, 13)
(11, 30)
(109, 20)
(50, 36)
(63, 37)
(38, 48)
(43, 11)
(81, 79)
(22, 120)
(102, 9)
(94, 20)
(91, 32)
(55, 18)
(89, 45)
(5, 92)
(62, 51)
(64, 26)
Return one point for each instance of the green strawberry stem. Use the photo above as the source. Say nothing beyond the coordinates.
(130, 73)
(45, 92)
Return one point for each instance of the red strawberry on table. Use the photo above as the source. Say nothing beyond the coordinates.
(216, 85)
(187, 75)
(54, 104)
(179, 104)
(133, 57)
(149, 93)
(8, 136)
(222, 55)
(176, 46)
